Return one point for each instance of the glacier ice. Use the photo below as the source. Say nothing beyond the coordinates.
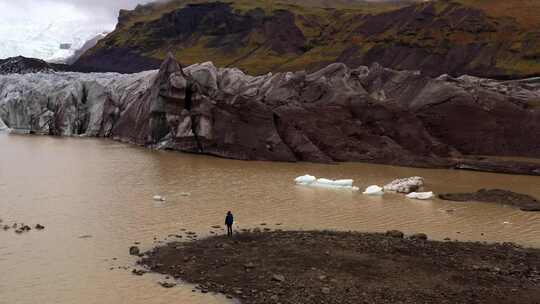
(405, 185)
(421, 195)
(305, 179)
(374, 190)
(309, 180)
(159, 198)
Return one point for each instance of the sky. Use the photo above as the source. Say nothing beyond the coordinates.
(106, 9)
(36, 28)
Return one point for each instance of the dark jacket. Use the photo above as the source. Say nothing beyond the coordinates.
(229, 219)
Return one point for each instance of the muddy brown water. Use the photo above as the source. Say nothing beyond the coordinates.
(103, 190)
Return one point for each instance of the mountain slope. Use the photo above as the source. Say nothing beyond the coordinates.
(478, 37)
(23, 65)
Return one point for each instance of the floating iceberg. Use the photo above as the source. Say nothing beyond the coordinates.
(309, 180)
(159, 198)
(374, 190)
(421, 195)
(305, 179)
(405, 185)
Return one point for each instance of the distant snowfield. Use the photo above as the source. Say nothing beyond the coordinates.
(38, 30)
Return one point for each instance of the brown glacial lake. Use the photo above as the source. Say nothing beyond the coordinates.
(103, 190)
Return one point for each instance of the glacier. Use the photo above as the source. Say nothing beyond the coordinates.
(38, 34)
(326, 116)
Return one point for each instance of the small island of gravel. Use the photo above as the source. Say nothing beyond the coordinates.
(350, 267)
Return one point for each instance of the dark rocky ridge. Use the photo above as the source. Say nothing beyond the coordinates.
(436, 37)
(24, 65)
(335, 114)
(339, 267)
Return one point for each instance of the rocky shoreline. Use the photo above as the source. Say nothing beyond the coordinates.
(348, 267)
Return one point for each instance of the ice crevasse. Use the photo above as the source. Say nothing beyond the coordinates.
(312, 181)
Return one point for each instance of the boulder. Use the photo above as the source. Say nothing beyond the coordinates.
(134, 250)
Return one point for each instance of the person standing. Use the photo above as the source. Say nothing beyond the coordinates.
(229, 220)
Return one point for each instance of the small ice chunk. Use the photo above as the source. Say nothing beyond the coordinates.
(374, 190)
(325, 181)
(344, 182)
(421, 195)
(305, 179)
(159, 198)
(309, 180)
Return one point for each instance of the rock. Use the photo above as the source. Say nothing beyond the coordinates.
(39, 227)
(419, 237)
(134, 250)
(405, 185)
(522, 201)
(249, 265)
(167, 284)
(395, 234)
(138, 272)
(325, 290)
(24, 228)
(498, 166)
(278, 278)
